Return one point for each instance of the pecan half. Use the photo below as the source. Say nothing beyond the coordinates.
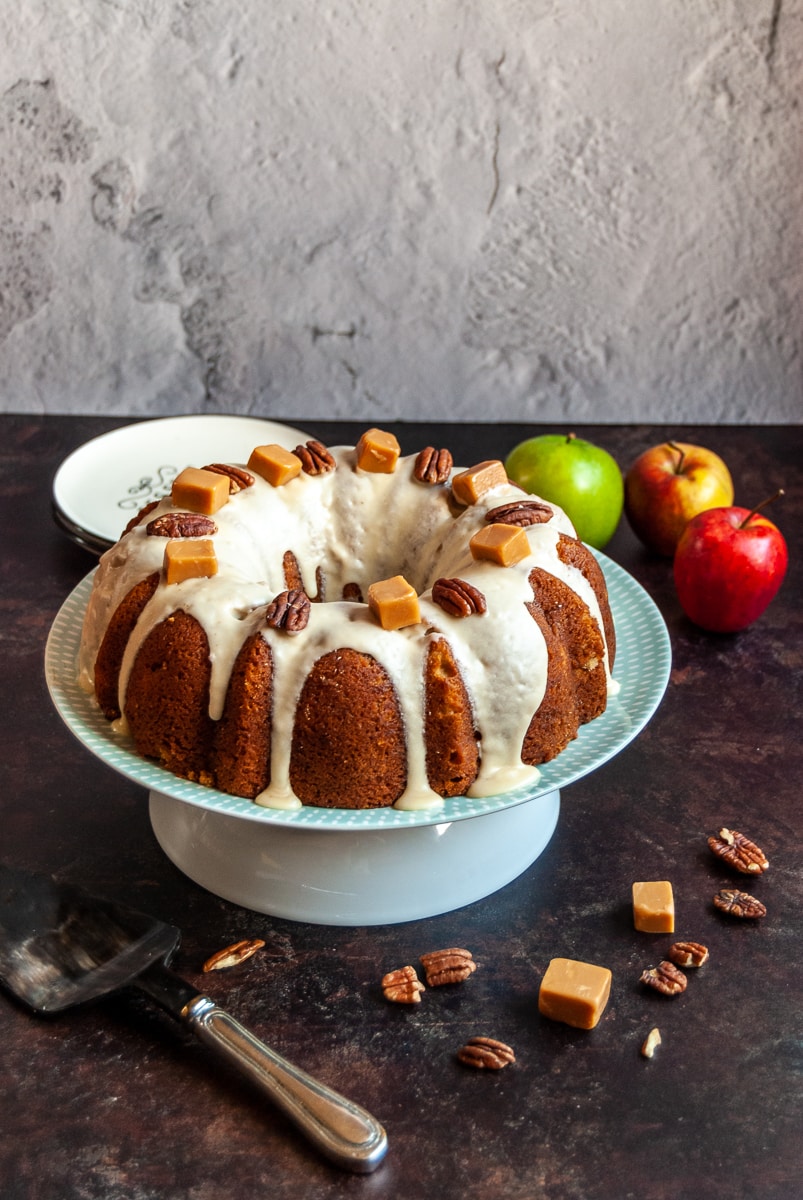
(135, 520)
(289, 611)
(232, 956)
(486, 1054)
(649, 1044)
(738, 852)
(402, 986)
(315, 458)
(238, 477)
(447, 966)
(433, 466)
(520, 512)
(739, 904)
(181, 525)
(458, 598)
(665, 978)
(352, 592)
(688, 954)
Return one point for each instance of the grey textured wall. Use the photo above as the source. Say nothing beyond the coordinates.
(525, 209)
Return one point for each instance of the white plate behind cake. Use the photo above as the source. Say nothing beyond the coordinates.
(383, 866)
(105, 482)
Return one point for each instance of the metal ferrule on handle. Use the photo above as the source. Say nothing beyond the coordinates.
(341, 1130)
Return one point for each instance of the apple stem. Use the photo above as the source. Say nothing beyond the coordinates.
(759, 507)
(570, 437)
(681, 455)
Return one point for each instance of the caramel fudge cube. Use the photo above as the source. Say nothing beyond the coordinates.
(574, 992)
(654, 907)
(394, 603)
(276, 465)
(501, 544)
(469, 486)
(190, 558)
(199, 490)
(378, 452)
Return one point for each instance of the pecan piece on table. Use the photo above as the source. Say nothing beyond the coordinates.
(738, 852)
(181, 525)
(433, 466)
(739, 904)
(289, 611)
(238, 477)
(652, 1040)
(402, 986)
(315, 458)
(665, 978)
(688, 954)
(520, 512)
(447, 966)
(232, 956)
(486, 1053)
(458, 598)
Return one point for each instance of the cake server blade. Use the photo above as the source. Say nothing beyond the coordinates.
(60, 947)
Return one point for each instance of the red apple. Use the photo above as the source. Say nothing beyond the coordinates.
(667, 486)
(729, 565)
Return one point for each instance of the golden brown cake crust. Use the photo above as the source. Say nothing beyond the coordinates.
(572, 551)
(348, 755)
(242, 736)
(115, 640)
(452, 750)
(167, 698)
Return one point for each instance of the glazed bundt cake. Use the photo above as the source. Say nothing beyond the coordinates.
(349, 628)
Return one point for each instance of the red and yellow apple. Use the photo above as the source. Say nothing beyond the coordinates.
(729, 564)
(669, 484)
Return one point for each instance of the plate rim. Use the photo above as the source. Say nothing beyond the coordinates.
(80, 712)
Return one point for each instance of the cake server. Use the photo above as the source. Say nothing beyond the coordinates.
(60, 947)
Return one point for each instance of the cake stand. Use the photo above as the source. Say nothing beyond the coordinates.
(380, 866)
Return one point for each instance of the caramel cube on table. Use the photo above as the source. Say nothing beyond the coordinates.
(501, 544)
(394, 603)
(190, 558)
(200, 491)
(654, 907)
(469, 486)
(274, 464)
(573, 992)
(378, 452)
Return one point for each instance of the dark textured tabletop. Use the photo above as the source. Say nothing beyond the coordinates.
(115, 1102)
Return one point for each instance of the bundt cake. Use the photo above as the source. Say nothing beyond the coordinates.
(349, 628)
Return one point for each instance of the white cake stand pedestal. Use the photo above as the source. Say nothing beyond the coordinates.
(353, 877)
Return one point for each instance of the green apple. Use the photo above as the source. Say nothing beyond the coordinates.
(583, 479)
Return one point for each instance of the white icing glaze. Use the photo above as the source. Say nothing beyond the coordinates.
(358, 528)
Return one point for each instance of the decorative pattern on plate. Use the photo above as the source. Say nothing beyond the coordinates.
(643, 659)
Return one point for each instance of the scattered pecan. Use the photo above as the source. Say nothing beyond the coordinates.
(739, 904)
(402, 986)
(143, 512)
(352, 592)
(649, 1044)
(238, 477)
(486, 1053)
(233, 955)
(665, 978)
(289, 611)
(433, 466)
(520, 512)
(738, 852)
(458, 598)
(315, 458)
(447, 966)
(688, 954)
(181, 525)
